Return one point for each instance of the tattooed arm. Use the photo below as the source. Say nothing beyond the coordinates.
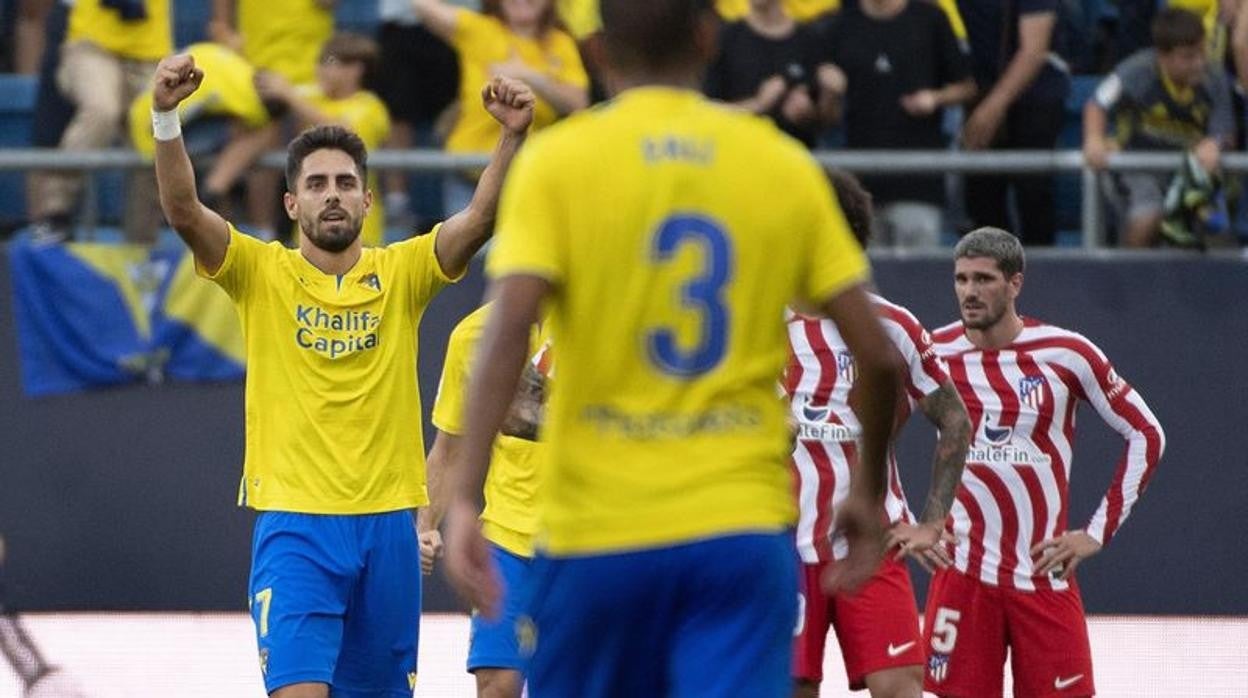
(943, 408)
(524, 419)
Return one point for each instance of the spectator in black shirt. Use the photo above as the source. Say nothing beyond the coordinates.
(1023, 88)
(901, 66)
(769, 64)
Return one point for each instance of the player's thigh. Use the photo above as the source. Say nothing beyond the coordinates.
(964, 636)
(733, 631)
(1049, 650)
(814, 618)
(504, 642)
(299, 589)
(499, 683)
(600, 625)
(382, 627)
(878, 627)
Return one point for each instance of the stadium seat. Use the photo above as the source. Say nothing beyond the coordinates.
(17, 101)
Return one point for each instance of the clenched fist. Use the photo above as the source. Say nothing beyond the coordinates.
(510, 102)
(176, 78)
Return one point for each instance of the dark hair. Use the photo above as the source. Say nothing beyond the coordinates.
(651, 34)
(324, 138)
(549, 19)
(996, 244)
(1173, 28)
(856, 202)
(352, 48)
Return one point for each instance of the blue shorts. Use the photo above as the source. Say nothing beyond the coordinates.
(709, 618)
(496, 644)
(336, 600)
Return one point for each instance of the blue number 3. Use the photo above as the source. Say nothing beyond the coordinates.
(704, 292)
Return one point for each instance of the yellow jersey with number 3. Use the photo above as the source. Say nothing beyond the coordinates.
(674, 232)
(332, 405)
(510, 518)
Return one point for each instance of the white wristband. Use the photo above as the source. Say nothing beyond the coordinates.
(166, 125)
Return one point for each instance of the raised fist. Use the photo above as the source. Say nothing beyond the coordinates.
(510, 102)
(176, 78)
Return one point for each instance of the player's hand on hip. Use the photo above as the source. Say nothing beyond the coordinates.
(1060, 555)
(858, 519)
(926, 543)
(469, 566)
(430, 549)
(510, 102)
(176, 78)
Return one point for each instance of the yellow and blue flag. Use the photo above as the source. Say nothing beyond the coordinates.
(92, 315)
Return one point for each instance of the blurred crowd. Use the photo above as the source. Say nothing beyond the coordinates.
(853, 74)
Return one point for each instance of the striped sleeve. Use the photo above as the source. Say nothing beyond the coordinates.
(925, 371)
(1125, 411)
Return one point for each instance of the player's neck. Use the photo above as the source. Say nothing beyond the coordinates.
(675, 79)
(335, 263)
(1000, 335)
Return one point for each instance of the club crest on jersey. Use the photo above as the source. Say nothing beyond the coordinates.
(372, 281)
(938, 667)
(846, 369)
(1031, 391)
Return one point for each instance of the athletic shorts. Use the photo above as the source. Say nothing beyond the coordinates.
(506, 642)
(708, 618)
(336, 600)
(969, 625)
(877, 628)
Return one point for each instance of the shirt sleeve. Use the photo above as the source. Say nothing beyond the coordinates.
(473, 30)
(530, 234)
(448, 406)
(1124, 410)
(836, 262)
(419, 260)
(1222, 115)
(242, 258)
(925, 372)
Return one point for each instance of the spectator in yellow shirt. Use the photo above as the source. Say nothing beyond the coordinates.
(339, 98)
(513, 38)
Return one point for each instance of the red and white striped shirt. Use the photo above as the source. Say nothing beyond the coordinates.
(1022, 401)
(817, 382)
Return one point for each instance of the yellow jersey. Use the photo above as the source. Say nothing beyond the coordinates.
(228, 89)
(148, 39)
(673, 232)
(510, 518)
(332, 406)
(482, 40)
(285, 36)
(364, 113)
(581, 17)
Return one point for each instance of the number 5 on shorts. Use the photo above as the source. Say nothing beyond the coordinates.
(945, 630)
(264, 598)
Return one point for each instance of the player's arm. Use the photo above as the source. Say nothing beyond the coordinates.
(510, 102)
(879, 381)
(205, 232)
(501, 356)
(944, 409)
(1124, 410)
(443, 457)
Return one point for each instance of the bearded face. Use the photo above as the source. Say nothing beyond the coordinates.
(330, 201)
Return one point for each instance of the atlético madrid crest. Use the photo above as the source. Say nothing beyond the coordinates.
(938, 666)
(1031, 391)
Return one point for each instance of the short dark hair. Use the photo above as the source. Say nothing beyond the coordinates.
(651, 34)
(856, 202)
(348, 47)
(1174, 27)
(995, 244)
(324, 138)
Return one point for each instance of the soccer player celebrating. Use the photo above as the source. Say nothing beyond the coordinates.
(497, 646)
(1012, 582)
(332, 461)
(878, 627)
(666, 235)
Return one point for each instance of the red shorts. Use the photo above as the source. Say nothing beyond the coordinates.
(878, 628)
(968, 625)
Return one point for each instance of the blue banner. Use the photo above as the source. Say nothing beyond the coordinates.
(92, 315)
